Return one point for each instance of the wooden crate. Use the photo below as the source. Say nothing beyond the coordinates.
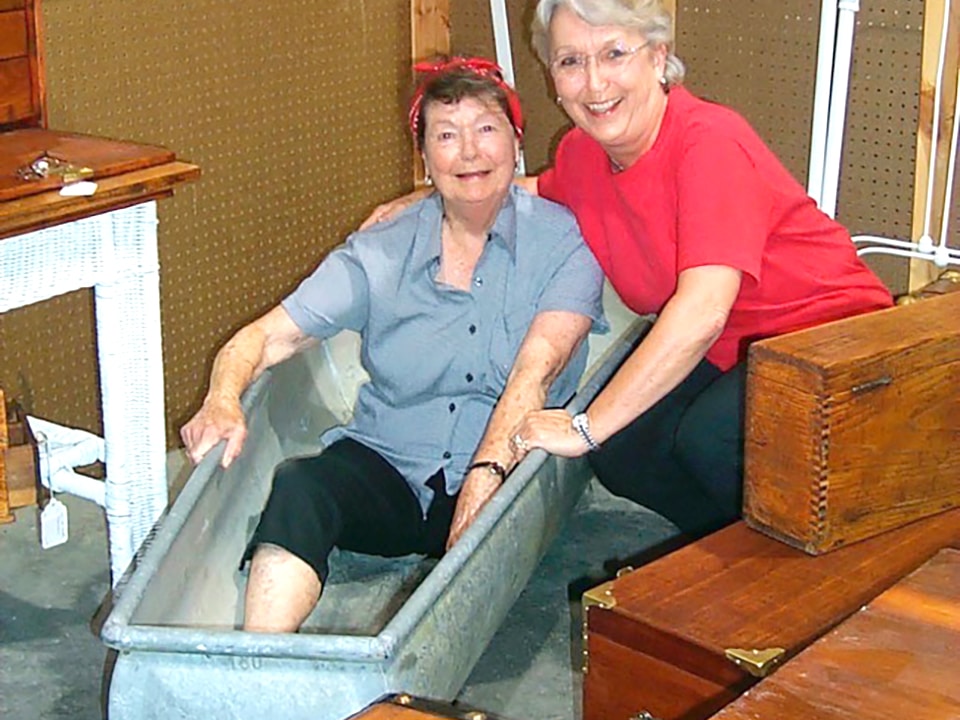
(853, 427)
(688, 633)
(898, 658)
(5, 515)
(19, 463)
(406, 707)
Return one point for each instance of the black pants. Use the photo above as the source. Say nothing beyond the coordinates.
(350, 497)
(683, 458)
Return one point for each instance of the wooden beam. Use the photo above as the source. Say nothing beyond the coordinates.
(923, 272)
(5, 515)
(429, 37)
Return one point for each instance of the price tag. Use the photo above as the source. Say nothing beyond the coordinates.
(53, 524)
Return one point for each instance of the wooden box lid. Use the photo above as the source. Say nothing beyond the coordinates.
(846, 353)
(22, 99)
(740, 589)
(105, 158)
(402, 706)
(897, 658)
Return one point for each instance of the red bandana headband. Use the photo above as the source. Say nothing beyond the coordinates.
(479, 66)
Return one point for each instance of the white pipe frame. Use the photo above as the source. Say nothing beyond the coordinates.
(837, 113)
(924, 249)
(501, 39)
(60, 449)
(821, 99)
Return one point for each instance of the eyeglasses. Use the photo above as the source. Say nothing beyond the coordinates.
(612, 59)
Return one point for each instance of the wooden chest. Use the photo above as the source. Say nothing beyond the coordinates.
(19, 464)
(853, 427)
(686, 634)
(406, 707)
(898, 658)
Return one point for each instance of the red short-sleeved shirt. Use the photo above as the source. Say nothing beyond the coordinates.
(709, 192)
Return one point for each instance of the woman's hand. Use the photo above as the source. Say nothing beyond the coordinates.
(392, 208)
(478, 487)
(551, 430)
(215, 421)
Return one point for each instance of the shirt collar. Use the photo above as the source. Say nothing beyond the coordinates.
(427, 241)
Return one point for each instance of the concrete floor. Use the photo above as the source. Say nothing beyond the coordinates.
(52, 664)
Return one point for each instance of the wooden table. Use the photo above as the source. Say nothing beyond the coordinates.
(50, 245)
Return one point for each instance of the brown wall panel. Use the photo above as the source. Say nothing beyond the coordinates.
(292, 111)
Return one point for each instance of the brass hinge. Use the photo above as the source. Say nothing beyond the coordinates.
(600, 596)
(435, 708)
(758, 663)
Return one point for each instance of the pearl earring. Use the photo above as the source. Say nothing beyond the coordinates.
(559, 100)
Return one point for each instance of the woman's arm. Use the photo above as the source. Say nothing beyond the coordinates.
(689, 324)
(549, 344)
(392, 208)
(254, 348)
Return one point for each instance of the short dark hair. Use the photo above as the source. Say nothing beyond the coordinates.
(452, 86)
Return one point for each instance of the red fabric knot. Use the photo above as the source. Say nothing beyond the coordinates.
(479, 66)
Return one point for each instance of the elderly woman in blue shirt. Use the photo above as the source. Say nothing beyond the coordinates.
(472, 306)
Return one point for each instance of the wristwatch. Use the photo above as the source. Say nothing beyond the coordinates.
(581, 423)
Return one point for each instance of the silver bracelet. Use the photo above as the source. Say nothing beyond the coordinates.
(581, 423)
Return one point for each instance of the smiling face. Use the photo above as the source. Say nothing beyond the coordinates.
(470, 151)
(616, 97)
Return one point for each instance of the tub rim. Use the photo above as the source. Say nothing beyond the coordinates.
(119, 633)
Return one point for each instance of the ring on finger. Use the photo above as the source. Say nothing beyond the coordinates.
(519, 442)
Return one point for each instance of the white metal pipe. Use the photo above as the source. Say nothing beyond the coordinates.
(61, 449)
(843, 56)
(941, 256)
(501, 39)
(68, 447)
(926, 239)
(821, 98)
(83, 486)
(940, 259)
(948, 188)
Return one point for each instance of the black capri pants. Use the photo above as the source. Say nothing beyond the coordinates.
(683, 458)
(350, 497)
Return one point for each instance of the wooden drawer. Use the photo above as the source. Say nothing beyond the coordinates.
(852, 427)
(686, 634)
(897, 658)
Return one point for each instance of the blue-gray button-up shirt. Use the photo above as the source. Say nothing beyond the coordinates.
(438, 357)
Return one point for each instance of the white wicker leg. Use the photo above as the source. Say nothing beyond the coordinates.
(131, 381)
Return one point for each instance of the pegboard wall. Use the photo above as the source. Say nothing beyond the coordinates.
(291, 109)
(471, 33)
(760, 58)
(294, 112)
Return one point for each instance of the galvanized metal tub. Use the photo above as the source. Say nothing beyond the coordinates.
(382, 625)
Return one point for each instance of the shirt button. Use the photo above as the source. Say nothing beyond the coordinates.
(472, 329)
(446, 455)
(478, 281)
(469, 377)
(452, 407)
